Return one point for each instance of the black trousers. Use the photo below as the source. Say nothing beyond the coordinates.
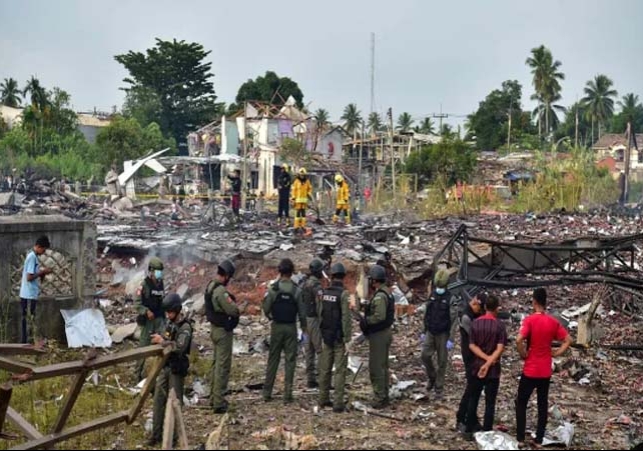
(525, 389)
(490, 387)
(461, 416)
(27, 304)
(284, 203)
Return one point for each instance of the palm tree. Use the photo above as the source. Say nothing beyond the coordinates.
(322, 118)
(37, 93)
(630, 107)
(599, 100)
(374, 123)
(9, 93)
(352, 119)
(426, 127)
(547, 76)
(548, 111)
(404, 122)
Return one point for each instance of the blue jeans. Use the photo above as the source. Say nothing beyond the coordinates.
(24, 304)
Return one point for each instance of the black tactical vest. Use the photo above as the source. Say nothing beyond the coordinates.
(152, 296)
(178, 363)
(437, 320)
(390, 314)
(331, 315)
(284, 308)
(218, 319)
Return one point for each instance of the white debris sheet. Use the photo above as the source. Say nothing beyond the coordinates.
(86, 328)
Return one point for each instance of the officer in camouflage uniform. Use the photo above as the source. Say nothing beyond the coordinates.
(282, 305)
(310, 291)
(172, 376)
(335, 326)
(223, 315)
(376, 326)
(149, 304)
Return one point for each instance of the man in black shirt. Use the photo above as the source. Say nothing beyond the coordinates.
(284, 182)
(235, 188)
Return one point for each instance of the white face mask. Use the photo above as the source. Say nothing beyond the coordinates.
(440, 290)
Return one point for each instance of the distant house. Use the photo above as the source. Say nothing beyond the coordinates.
(615, 145)
(266, 126)
(12, 116)
(89, 124)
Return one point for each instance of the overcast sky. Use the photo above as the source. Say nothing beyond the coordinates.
(427, 53)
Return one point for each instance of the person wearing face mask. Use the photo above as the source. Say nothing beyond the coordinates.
(438, 322)
(149, 304)
(376, 326)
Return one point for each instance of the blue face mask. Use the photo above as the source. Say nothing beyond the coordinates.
(158, 274)
(440, 290)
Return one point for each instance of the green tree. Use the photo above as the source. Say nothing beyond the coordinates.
(405, 122)
(546, 79)
(58, 114)
(176, 72)
(568, 126)
(374, 123)
(631, 111)
(548, 111)
(488, 125)
(451, 158)
(269, 88)
(599, 101)
(426, 127)
(352, 118)
(37, 94)
(143, 104)
(322, 118)
(10, 93)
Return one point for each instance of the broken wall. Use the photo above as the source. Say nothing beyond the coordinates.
(72, 258)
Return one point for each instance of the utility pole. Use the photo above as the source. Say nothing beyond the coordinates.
(576, 133)
(359, 172)
(244, 195)
(372, 72)
(440, 116)
(390, 134)
(509, 128)
(628, 156)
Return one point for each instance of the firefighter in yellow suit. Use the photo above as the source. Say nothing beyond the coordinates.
(302, 192)
(343, 200)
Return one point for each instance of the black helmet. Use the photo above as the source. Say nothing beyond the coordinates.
(316, 266)
(172, 303)
(227, 267)
(338, 270)
(377, 272)
(286, 266)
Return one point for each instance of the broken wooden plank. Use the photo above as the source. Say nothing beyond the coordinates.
(5, 396)
(215, 440)
(70, 400)
(136, 409)
(51, 439)
(20, 349)
(13, 366)
(22, 424)
(180, 424)
(69, 368)
(168, 422)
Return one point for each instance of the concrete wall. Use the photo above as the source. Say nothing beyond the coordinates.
(72, 257)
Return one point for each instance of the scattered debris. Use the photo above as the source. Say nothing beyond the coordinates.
(86, 328)
(494, 440)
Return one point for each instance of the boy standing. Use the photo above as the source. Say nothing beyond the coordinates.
(30, 287)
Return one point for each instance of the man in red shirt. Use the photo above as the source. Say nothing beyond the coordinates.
(487, 343)
(534, 343)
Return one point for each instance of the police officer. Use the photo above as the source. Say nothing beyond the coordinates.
(282, 305)
(438, 325)
(376, 326)
(310, 292)
(283, 184)
(335, 326)
(172, 376)
(150, 308)
(223, 315)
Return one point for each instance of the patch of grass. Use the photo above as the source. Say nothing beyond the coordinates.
(39, 402)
